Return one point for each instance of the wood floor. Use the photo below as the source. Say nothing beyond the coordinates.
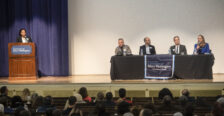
(66, 86)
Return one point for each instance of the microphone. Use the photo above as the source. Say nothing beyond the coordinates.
(199, 44)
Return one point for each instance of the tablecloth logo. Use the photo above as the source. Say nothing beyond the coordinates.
(159, 66)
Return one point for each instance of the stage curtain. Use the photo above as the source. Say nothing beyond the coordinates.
(46, 22)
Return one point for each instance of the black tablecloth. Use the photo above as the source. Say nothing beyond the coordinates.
(186, 67)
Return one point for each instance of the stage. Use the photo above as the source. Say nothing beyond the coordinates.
(105, 79)
(66, 86)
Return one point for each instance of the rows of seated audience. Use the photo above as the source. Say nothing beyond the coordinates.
(80, 104)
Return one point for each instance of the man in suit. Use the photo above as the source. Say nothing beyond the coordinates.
(147, 49)
(178, 49)
(22, 36)
(122, 49)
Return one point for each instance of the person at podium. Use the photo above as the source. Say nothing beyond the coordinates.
(177, 49)
(147, 49)
(122, 49)
(201, 47)
(22, 37)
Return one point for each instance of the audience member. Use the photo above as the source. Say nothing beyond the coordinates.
(178, 114)
(18, 106)
(33, 98)
(37, 102)
(71, 104)
(186, 93)
(164, 92)
(122, 95)
(1, 109)
(217, 110)
(25, 113)
(183, 100)
(221, 101)
(150, 106)
(189, 110)
(109, 99)
(83, 92)
(78, 98)
(167, 105)
(100, 97)
(4, 91)
(135, 110)
(47, 105)
(123, 107)
(6, 100)
(146, 112)
(17, 102)
(57, 112)
(26, 95)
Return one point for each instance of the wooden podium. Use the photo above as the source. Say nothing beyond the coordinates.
(22, 61)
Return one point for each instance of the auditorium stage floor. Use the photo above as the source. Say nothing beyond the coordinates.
(219, 78)
(65, 86)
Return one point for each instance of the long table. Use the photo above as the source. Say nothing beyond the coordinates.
(186, 67)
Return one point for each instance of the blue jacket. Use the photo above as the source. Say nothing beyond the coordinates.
(202, 50)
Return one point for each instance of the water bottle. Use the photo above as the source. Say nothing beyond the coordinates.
(141, 52)
(124, 52)
(195, 52)
(169, 51)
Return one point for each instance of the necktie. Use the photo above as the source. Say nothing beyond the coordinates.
(177, 49)
(122, 52)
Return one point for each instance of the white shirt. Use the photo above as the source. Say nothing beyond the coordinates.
(147, 49)
(24, 40)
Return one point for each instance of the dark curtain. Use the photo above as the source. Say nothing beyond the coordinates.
(46, 22)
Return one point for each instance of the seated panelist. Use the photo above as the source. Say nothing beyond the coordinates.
(201, 47)
(147, 49)
(22, 37)
(177, 49)
(122, 49)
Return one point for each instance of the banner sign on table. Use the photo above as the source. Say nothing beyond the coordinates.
(159, 66)
(22, 49)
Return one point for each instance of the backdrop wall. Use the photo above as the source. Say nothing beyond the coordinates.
(95, 26)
